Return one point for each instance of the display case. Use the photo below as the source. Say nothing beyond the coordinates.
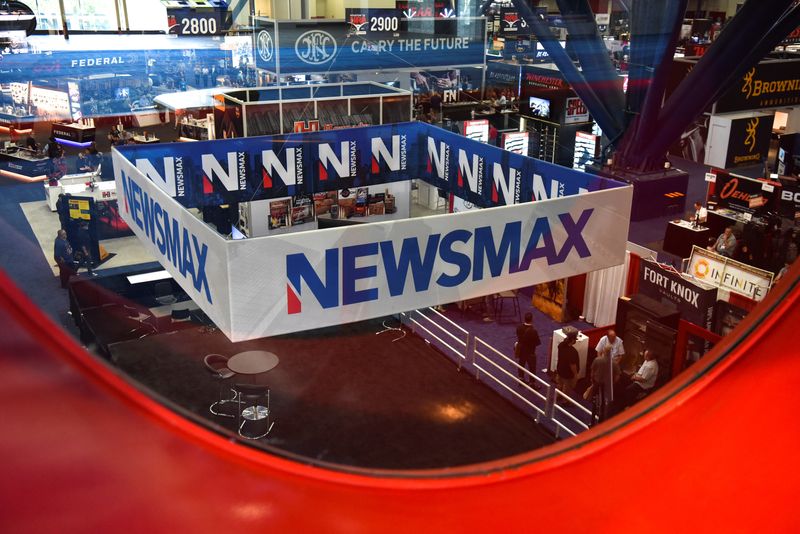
(644, 323)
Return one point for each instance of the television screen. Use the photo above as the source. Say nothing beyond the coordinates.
(540, 107)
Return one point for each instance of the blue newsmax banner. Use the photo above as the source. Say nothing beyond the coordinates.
(322, 46)
(253, 168)
(273, 285)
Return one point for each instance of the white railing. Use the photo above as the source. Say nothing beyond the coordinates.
(561, 417)
(456, 339)
(542, 399)
(486, 360)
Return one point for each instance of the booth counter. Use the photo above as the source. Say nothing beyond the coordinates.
(23, 163)
(80, 185)
(18, 121)
(75, 132)
(682, 235)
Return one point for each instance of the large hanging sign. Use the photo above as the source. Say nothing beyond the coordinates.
(748, 143)
(372, 22)
(197, 22)
(695, 301)
(774, 83)
(329, 46)
(265, 52)
(725, 273)
(272, 285)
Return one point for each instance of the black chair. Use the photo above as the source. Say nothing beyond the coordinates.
(163, 293)
(217, 365)
(253, 409)
(502, 297)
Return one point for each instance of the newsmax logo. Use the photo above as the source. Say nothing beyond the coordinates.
(384, 270)
(341, 159)
(392, 157)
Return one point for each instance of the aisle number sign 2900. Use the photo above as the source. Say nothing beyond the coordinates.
(372, 21)
(191, 22)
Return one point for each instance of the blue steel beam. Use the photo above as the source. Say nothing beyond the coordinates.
(593, 56)
(596, 106)
(727, 60)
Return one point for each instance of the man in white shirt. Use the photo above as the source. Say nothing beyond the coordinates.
(617, 348)
(644, 380)
(700, 213)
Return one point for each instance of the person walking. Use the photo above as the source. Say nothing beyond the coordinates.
(525, 348)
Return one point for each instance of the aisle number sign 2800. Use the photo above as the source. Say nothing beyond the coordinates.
(191, 22)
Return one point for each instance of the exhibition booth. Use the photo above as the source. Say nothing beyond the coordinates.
(347, 274)
(306, 108)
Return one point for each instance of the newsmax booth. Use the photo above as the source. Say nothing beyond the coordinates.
(543, 223)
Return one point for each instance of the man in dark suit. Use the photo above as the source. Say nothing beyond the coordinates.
(525, 349)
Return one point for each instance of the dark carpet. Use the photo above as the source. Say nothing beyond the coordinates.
(346, 396)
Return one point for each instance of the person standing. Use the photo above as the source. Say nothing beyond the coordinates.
(614, 342)
(62, 251)
(605, 372)
(84, 241)
(525, 348)
(569, 362)
(644, 380)
(726, 243)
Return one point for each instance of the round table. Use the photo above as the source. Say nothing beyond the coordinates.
(252, 362)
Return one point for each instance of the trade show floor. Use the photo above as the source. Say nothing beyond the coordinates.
(650, 233)
(44, 224)
(346, 395)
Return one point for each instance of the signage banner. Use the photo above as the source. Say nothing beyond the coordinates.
(724, 273)
(769, 84)
(744, 194)
(191, 251)
(327, 47)
(576, 111)
(373, 22)
(192, 22)
(694, 301)
(486, 175)
(265, 52)
(790, 200)
(541, 78)
(257, 168)
(502, 79)
(511, 23)
(335, 276)
(748, 143)
(210, 173)
(516, 142)
(586, 145)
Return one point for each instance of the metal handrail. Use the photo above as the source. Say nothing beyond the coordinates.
(559, 411)
(460, 353)
(479, 344)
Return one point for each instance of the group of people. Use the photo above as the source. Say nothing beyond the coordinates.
(609, 388)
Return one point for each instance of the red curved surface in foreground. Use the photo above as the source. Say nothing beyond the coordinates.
(83, 451)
